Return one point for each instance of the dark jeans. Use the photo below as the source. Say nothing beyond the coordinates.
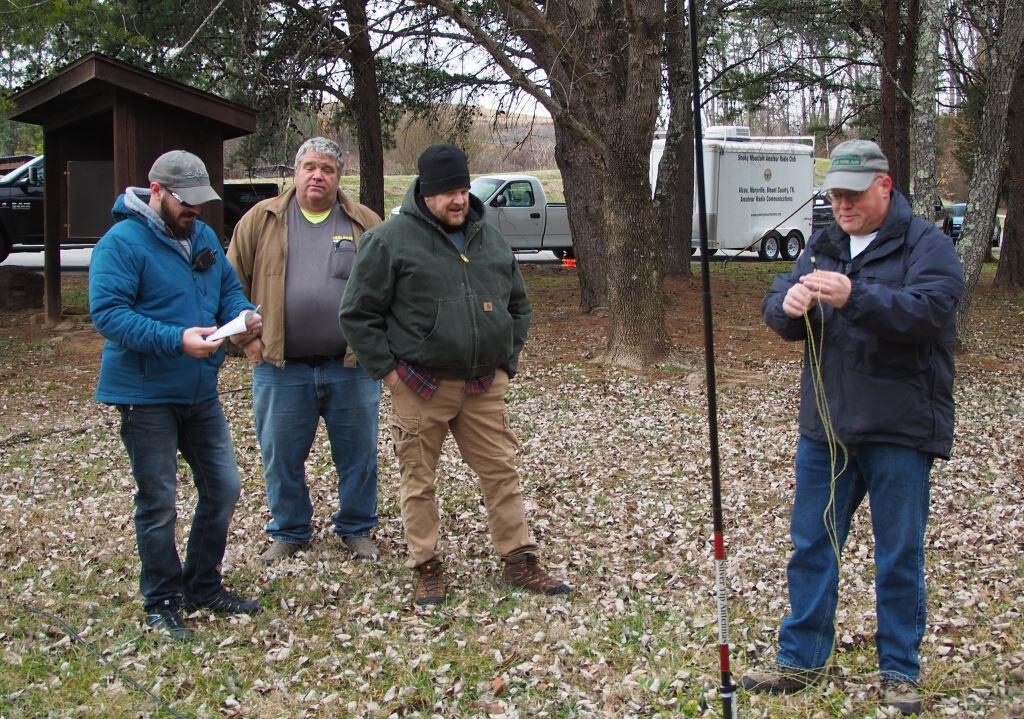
(288, 403)
(153, 435)
(895, 478)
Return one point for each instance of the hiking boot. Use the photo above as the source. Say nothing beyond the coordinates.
(780, 679)
(279, 550)
(224, 602)
(525, 572)
(901, 695)
(168, 621)
(430, 586)
(363, 547)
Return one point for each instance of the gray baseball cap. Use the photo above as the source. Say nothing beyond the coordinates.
(854, 165)
(185, 175)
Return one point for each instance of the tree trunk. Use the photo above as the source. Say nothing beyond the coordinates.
(366, 108)
(976, 234)
(1010, 273)
(673, 196)
(584, 196)
(603, 63)
(898, 43)
(638, 337)
(925, 134)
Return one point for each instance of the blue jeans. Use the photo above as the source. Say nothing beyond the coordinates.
(896, 480)
(289, 402)
(153, 434)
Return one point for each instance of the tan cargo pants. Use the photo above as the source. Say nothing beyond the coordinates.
(479, 424)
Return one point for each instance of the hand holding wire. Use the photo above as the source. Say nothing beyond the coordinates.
(798, 300)
(832, 288)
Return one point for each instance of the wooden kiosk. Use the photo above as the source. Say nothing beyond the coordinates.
(104, 123)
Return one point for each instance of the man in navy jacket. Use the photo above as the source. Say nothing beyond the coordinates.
(874, 296)
(159, 284)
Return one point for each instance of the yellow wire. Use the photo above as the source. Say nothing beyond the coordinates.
(835, 445)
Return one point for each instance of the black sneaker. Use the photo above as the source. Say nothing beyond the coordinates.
(224, 602)
(169, 622)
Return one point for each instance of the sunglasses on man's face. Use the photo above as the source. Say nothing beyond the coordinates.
(182, 202)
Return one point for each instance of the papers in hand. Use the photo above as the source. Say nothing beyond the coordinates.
(234, 327)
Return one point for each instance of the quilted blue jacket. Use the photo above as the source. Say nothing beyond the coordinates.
(143, 295)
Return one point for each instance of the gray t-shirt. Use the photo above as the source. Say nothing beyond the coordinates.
(320, 260)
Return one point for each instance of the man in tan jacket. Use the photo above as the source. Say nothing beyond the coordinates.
(293, 254)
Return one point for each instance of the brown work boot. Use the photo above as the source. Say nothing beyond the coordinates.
(524, 571)
(279, 550)
(781, 680)
(901, 695)
(430, 586)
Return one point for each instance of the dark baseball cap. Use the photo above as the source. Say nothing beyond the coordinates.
(854, 166)
(185, 175)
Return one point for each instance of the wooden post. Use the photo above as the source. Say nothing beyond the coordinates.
(53, 231)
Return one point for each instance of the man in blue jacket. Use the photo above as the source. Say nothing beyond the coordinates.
(159, 284)
(874, 296)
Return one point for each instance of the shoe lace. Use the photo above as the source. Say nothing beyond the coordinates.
(226, 601)
(531, 574)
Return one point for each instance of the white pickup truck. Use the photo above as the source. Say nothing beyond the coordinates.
(519, 208)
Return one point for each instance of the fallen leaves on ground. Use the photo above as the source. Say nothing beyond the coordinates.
(615, 472)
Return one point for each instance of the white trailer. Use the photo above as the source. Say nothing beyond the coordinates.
(759, 192)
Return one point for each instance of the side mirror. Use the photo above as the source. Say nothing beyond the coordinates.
(33, 176)
(499, 201)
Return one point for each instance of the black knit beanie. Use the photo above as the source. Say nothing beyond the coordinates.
(442, 168)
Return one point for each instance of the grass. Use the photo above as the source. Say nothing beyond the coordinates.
(615, 477)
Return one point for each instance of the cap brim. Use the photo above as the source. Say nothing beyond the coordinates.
(196, 195)
(854, 181)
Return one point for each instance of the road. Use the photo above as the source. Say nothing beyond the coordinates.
(71, 261)
(77, 261)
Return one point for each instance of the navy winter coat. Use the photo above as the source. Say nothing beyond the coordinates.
(887, 355)
(143, 295)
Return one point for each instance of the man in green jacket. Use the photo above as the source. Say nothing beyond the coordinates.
(437, 308)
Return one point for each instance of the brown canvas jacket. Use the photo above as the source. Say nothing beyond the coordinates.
(259, 254)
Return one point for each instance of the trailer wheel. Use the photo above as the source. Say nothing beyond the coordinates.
(771, 246)
(792, 245)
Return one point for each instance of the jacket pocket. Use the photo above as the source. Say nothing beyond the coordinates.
(449, 343)
(890, 360)
(494, 346)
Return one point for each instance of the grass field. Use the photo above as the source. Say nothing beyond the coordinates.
(614, 469)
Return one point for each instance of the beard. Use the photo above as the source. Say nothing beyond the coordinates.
(180, 223)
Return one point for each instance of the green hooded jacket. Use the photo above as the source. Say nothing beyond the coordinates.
(413, 296)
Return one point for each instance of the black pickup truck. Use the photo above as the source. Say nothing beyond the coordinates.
(21, 209)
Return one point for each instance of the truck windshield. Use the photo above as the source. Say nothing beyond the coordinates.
(484, 187)
(20, 172)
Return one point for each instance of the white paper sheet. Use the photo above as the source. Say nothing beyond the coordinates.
(234, 327)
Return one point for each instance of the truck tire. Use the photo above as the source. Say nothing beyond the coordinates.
(5, 247)
(792, 245)
(771, 246)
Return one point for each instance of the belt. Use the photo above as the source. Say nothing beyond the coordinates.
(315, 360)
